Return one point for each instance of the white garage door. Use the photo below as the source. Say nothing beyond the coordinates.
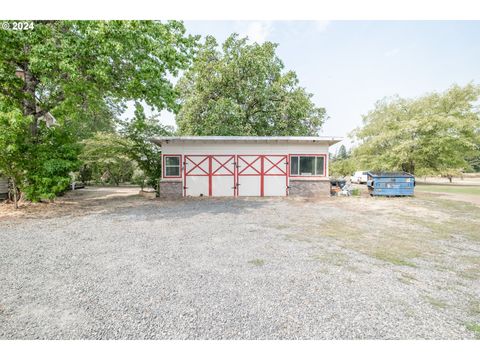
(209, 175)
(196, 179)
(222, 175)
(262, 175)
(275, 175)
(249, 178)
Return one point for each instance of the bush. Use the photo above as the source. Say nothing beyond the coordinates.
(139, 178)
(51, 161)
(38, 166)
(355, 192)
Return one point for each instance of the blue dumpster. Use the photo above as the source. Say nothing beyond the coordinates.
(390, 183)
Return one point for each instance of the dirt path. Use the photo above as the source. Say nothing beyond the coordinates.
(87, 200)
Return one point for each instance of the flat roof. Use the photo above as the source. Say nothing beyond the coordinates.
(330, 140)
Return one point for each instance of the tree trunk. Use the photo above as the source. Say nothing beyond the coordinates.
(29, 101)
(15, 193)
(409, 167)
(450, 179)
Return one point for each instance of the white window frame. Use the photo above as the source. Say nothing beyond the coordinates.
(165, 166)
(296, 157)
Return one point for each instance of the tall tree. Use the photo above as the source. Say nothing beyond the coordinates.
(242, 89)
(13, 146)
(72, 67)
(83, 73)
(41, 169)
(341, 153)
(433, 134)
(147, 155)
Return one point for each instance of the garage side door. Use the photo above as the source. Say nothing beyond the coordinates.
(196, 175)
(249, 175)
(222, 175)
(275, 175)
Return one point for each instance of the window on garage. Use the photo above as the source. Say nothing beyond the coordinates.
(172, 165)
(307, 165)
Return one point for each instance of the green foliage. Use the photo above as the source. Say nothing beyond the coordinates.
(40, 169)
(50, 161)
(433, 134)
(83, 73)
(474, 160)
(14, 133)
(342, 164)
(139, 131)
(86, 70)
(106, 154)
(243, 90)
(475, 328)
(355, 192)
(139, 178)
(342, 167)
(85, 174)
(341, 153)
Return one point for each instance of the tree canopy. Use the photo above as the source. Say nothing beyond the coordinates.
(87, 70)
(242, 89)
(433, 134)
(83, 73)
(105, 154)
(147, 155)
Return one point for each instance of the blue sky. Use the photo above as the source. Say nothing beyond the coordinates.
(349, 65)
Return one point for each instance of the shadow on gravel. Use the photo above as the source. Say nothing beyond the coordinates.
(189, 207)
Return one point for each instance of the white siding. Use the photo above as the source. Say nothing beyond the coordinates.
(246, 148)
(247, 185)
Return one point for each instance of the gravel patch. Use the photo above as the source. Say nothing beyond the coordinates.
(220, 269)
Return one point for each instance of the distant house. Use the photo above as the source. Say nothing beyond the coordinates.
(244, 165)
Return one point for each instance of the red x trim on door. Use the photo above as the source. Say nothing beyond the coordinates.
(250, 165)
(223, 165)
(197, 165)
(275, 165)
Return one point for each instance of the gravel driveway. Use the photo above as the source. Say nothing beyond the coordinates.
(233, 269)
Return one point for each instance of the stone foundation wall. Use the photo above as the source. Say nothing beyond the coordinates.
(301, 188)
(309, 188)
(170, 189)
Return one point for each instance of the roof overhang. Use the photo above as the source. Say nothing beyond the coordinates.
(323, 140)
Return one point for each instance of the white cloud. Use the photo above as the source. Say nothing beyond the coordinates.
(392, 52)
(258, 31)
(321, 25)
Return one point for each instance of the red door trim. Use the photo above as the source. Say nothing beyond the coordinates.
(210, 173)
(325, 159)
(262, 176)
(185, 173)
(262, 173)
(164, 175)
(264, 169)
(249, 165)
(197, 165)
(275, 165)
(222, 165)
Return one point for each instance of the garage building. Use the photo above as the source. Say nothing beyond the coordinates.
(244, 165)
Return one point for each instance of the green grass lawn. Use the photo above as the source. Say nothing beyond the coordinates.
(472, 190)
